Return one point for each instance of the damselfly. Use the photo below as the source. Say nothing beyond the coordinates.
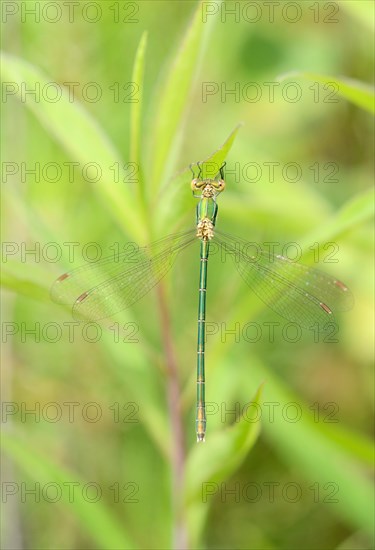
(298, 293)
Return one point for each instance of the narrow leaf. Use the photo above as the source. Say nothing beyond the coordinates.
(363, 12)
(79, 134)
(356, 211)
(359, 93)
(214, 461)
(136, 107)
(23, 286)
(177, 191)
(175, 93)
(94, 518)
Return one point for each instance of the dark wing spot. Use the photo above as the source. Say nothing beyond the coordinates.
(340, 285)
(325, 308)
(82, 297)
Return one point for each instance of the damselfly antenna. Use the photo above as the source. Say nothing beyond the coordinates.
(199, 169)
(222, 170)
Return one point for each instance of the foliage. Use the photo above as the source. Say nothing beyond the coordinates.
(125, 371)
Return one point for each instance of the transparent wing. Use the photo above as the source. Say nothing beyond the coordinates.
(98, 290)
(298, 293)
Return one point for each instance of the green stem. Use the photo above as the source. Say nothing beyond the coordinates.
(177, 432)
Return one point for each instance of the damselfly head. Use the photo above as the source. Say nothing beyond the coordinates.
(208, 188)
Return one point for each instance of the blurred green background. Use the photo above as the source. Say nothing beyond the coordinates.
(282, 482)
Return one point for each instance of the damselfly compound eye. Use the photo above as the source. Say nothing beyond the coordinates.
(194, 184)
(221, 185)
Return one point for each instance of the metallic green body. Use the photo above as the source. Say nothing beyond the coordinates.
(206, 212)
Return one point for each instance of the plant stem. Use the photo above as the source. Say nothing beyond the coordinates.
(177, 432)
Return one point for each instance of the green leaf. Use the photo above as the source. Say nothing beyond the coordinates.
(214, 461)
(321, 452)
(141, 378)
(357, 445)
(80, 135)
(362, 11)
(309, 446)
(136, 107)
(23, 286)
(177, 192)
(175, 94)
(359, 93)
(210, 167)
(356, 211)
(94, 518)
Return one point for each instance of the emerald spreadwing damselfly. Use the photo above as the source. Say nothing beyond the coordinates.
(298, 293)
